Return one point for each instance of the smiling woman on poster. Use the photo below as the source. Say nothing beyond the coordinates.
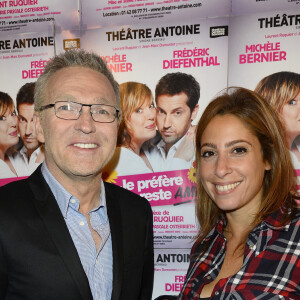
(8, 134)
(249, 238)
(282, 91)
(136, 128)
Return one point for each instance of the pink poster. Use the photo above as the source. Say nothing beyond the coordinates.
(145, 42)
(264, 58)
(147, 59)
(97, 14)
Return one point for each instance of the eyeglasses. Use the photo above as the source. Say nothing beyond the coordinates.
(69, 110)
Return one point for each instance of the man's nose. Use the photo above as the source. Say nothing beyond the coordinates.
(167, 121)
(29, 128)
(85, 122)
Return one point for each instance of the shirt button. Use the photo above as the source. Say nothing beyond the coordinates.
(81, 223)
(216, 293)
(252, 247)
(208, 277)
(73, 201)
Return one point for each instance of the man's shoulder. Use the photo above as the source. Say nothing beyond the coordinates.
(14, 197)
(20, 188)
(15, 187)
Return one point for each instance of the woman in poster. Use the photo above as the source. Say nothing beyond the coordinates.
(137, 127)
(249, 238)
(282, 91)
(8, 134)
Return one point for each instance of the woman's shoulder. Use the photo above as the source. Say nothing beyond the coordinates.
(276, 219)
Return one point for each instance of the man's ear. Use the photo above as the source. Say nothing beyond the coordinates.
(195, 112)
(38, 127)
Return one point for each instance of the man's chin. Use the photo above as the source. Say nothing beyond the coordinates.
(170, 139)
(82, 175)
(31, 147)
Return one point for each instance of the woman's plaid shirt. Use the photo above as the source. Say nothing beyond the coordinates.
(271, 266)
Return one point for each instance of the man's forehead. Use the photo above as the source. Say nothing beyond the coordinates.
(96, 100)
(73, 83)
(26, 107)
(76, 74)
(171, 102)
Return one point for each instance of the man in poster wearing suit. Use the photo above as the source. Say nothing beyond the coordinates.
(64, 233)
(176, 96)
(29, 157)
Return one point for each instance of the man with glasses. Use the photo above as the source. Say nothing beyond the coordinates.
(64, 233)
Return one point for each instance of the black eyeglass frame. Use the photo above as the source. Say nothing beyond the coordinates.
(89, 105)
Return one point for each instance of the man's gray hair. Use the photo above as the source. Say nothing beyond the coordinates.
(72, 58)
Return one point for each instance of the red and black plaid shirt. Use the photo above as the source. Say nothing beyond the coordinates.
(271, 265)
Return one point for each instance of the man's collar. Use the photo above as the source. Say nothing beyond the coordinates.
(24, 151)
(62, 196)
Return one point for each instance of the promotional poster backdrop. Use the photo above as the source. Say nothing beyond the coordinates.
(263, 44)
(96, 14)
(25, 16)
(242, 7)
(189, 47)
(24, 59)
(233, 44)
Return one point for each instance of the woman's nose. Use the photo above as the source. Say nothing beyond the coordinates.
(222, 167)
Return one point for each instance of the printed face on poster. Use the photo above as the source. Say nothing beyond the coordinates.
(142, 43)
(263, 58)
(140, 58)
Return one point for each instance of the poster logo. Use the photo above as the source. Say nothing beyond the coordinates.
(218, 31)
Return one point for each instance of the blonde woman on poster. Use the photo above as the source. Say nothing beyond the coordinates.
(282, 91)
(137, 127)
(8, 134)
